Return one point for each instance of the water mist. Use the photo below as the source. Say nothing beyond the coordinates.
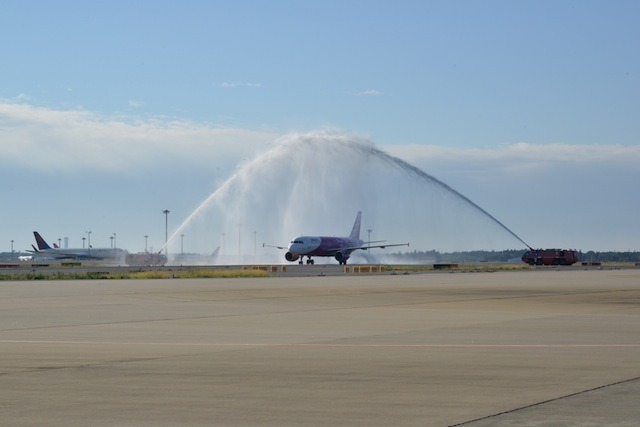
(315, 184)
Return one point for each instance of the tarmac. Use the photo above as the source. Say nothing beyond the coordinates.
(526, 348)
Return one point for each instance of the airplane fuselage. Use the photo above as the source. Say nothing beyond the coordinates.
(338, 247)
(80, 253)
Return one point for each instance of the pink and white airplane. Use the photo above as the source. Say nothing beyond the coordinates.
(338, 247)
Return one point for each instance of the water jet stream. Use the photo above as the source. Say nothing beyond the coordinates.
(315, 183)
(419, 172)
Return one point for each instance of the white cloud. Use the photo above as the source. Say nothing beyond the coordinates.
(232, 85)
(72, 140)
(133, 104)
(370, 92)
(23, 97)
(522, 158)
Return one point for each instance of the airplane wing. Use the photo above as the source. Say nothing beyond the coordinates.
(264, 245)
(353, 248)
(57, 255)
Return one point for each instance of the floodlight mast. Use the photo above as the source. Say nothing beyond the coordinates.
(166, 232)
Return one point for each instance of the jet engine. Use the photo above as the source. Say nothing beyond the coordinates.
(342, 257)
(291, 257)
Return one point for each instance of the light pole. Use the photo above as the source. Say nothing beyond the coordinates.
(166, 231)
(11, 248)
(239, 241)
(115, 242)
(59, 242)
(89, 241)
(369, 242)
(145, 243)
(111, 241)
(83, 240)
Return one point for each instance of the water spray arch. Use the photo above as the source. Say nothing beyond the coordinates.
(315, 183)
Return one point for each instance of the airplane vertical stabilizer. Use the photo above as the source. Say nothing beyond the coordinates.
(355, 231)
(41, 243)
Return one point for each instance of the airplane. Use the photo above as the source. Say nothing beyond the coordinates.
(90, 253)
(196, 259)
(338, 247)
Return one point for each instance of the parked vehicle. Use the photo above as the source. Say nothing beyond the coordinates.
(550, 257)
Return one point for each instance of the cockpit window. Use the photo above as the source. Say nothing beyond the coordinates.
(297, 241)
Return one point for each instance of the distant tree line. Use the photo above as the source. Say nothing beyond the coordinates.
(591, 256)
(471, 256)
(505, 256)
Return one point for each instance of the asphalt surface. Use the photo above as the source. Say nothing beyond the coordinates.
(478, 349)
(279, 270)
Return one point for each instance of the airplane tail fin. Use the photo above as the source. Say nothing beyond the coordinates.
(355, 231)
(41, 243)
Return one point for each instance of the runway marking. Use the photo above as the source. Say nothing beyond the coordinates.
(319, 345)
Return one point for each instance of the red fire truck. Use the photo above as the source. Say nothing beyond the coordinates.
(550, 257)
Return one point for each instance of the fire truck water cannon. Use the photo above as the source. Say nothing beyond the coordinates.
(550, 257)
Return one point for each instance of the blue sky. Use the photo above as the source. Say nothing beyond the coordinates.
(113, 111)
(454, 73)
